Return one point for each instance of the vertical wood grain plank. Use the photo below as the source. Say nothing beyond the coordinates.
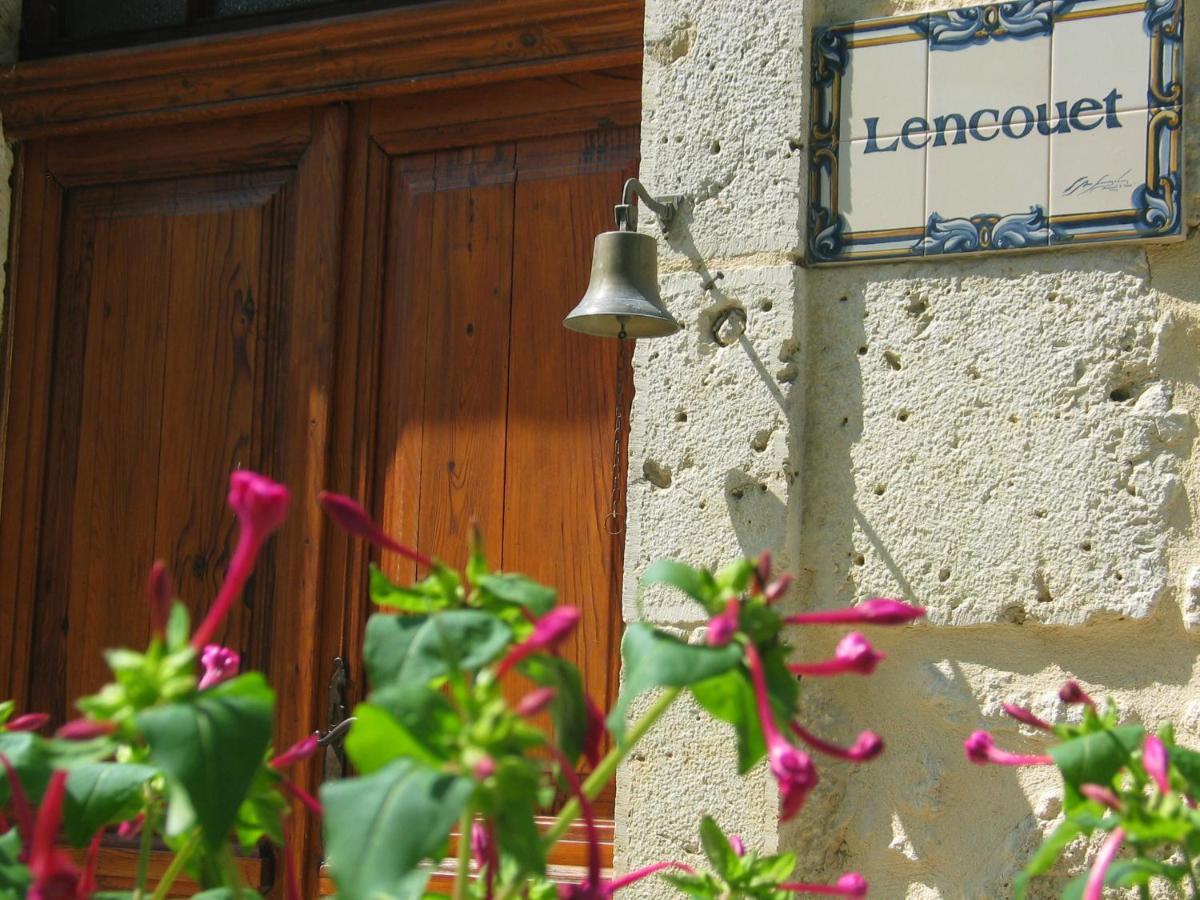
(462, 475)
(561, 393)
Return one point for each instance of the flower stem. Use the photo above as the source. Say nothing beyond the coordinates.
(464, 853)
(604, 772)
(177, 864)
(149, 825)
(596, 782)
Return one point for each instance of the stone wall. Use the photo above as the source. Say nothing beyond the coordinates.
(1008, 441)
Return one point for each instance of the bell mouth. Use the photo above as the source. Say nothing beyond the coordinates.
(622, 298)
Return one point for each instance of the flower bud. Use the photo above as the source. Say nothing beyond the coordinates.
(535, 702)
(219, 663)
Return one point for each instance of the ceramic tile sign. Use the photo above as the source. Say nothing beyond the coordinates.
(1013, 126)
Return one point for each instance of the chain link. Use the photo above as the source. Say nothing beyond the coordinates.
(614, 523)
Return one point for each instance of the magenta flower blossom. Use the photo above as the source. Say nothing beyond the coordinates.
(1094, 889)
(28, 722)
(1072, 693)
(219, 664)
(535, 702)
(738, 845)
(159, 594)
(776, 590)
(20, 805)
(261, 506)
(633, 877)
(347, 513)
(722, 628)
(593, 736)
(852, 884)
(981, 749)
(297, 753)
(1026, 717)
(1156, 763)
(854, 653)
(1105, 796)
(484, 769)
(877, 611)
(131, 828)
(865, 748)
(549, 631)
(85, 730)
(792, 767)
(54, 874)
(485, 853)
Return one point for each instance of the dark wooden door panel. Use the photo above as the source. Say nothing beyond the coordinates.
(155, 392)
(491, 411)
(170, 325)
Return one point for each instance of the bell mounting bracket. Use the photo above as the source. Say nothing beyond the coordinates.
(666, 208)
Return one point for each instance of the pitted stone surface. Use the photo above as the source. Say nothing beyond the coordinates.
(999, 444)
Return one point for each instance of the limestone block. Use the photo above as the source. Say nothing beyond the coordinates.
(714, 434)
(996, 443)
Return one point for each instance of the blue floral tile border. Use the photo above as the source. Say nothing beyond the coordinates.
(1135, 204)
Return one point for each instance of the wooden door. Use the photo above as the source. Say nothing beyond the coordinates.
(487, 409)
(171, 321)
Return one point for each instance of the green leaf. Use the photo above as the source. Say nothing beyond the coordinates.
(379, 828)
(520, 590)
(516, 816)
(1187, 763)
(15, 877)
(100, 794)
(421, 598)
(1139, 871)
(730, 698)
(210, 749)
(29, 755)
(1095, 758)
(654, 659)
(6, 711)
(696, 583)
(179, 627)
(716, 847)
(568, 709)
(379, 735)
(770, 870)
(1047, 854)
(386, 645)
(424, 648)
(226, 893)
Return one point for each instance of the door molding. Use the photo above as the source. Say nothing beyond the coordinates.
(455, 43)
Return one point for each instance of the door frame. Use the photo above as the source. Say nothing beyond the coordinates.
(452, 73)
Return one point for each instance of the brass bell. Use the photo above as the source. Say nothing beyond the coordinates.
(622, 298)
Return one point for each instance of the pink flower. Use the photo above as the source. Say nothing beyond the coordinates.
(792, 767)
(866, 747)
(347, 513)
(297, 753)
(261, 506)
(854, 653)
(20, 805)
(54, 874)
(762, 572)
(1156, 763)
(981, 749)
(131, 828)
(28, 722)
(878, 611)
(535, 702)
(625, 880)
(484, 852)
(1103, 795)
(484, 769)
(1072, 693)
(1024, 716)
(85, 730)
(738, 845)
(220, 664)
(549, 631)
(159, 595)
(722, 628)
(777, 589)
(1094, 889)
(593, 736)
(852, 884)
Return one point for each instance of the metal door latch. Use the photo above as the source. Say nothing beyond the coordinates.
(338, 723)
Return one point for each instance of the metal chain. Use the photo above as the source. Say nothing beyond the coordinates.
(614, 524)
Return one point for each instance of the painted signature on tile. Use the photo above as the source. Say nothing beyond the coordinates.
(1086, 184)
